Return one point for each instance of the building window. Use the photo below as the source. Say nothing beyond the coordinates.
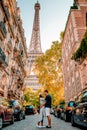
(77, 74)
(86, 19)
(72, 79)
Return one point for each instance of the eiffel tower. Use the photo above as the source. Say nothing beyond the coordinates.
(34, 50)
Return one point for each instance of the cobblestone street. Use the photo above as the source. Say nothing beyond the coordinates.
(30, 124)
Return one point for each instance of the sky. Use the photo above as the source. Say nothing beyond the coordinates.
(53, 17)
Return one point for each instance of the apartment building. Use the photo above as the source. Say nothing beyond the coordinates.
(75, 74)
(13, 51)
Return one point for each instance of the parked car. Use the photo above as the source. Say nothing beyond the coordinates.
(29, 109)
(6, 112)
(68, 111)
(19, 111)
(62, 115)
(57, 111)
(79, 114)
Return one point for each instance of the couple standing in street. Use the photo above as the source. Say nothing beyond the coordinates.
(45, 107)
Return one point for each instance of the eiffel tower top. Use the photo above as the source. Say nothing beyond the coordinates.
(35, 43)
(37, 5)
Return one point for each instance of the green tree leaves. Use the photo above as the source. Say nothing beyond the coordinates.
(82, 50)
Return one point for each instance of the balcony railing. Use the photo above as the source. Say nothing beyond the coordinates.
(7, 12)
(13, 69)
(3, 28)
(18, 86)
(20, 83)
(12, 30)
(3, 58)
(16, 52)
(18, 56)
(16, 18)
(9, 44)
(20, 60)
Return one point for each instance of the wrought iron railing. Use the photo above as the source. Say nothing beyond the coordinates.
(3, 28)
(7, 12)
(2, 57)
(10, 44)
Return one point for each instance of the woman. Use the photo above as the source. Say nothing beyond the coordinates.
(41, 113)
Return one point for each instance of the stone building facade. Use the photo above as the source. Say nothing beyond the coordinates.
(75, 75)
(12, 50)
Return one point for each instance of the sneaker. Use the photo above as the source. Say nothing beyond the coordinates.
(38, 126)
(48, 126)
(43, 126)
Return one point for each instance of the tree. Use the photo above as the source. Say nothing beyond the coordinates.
(31, 97)
(49, 70)
(81, 52)
(61, 36)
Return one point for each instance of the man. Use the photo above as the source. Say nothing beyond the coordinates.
(48, 107)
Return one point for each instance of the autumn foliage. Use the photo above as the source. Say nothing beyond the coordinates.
(49, 71)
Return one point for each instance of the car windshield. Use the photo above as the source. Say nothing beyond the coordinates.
(61, 107)
(29, 106)
(71, 104)
(14, 103)
(84, 98)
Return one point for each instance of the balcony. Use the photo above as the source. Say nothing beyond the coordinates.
(9, 44)
(20, 60)
(17, 94)
(23, 87)
(3, 59)
(12, 30)
(4, 4)
(16, 18)
(21, 64)
(7, 12)
(20, 84)
(13, 70)
(3, 29)
(15, 52)
(18, 57)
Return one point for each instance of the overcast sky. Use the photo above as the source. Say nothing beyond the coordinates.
(53, 17)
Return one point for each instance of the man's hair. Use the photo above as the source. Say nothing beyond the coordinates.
(46, 91)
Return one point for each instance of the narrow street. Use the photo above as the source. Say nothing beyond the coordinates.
(30, 124)
(43, 64)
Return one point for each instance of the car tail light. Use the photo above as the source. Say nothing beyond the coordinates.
(68, 108)
(59, 109)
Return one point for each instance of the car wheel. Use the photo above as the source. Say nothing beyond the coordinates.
(72, 121)
(1, 123)
(61, 116)
(65, 117)
(19, 117)
(23, 116)
(12, 122)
